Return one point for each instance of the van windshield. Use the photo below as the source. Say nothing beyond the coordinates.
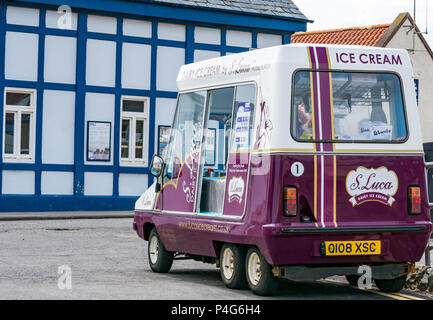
(362, 107)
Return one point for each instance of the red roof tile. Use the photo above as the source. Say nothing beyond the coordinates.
(364, 36)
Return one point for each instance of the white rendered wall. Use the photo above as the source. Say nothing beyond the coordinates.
(169, 31)
(57, 183)
(169, 61)
(137, 28)
(207, 35)
(136, 62)
(60, 59)
(101, 63)
(239, 38)
(200, 55)
(132, 184)
(58, 127)
(422, 64)
(52, 19)
(98, 184)
(268, 40)
(21, 60)
(99, 107)
(101, 24)
(18, 182)
(22, 16)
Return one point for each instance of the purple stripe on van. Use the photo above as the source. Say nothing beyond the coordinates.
(325, 97)
(328, 185)
(312, 57)
(322, 57)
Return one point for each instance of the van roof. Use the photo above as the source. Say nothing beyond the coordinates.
(249, 65)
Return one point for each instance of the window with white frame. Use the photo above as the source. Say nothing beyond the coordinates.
(134, 131)
(19, 125)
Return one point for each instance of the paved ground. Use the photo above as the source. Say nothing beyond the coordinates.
(108, 261)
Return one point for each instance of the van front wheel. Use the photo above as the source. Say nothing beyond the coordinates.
(259, 274)
(232, 266)
(391, 285)
(160, 260)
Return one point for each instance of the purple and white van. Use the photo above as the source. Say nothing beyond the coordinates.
(296, 162)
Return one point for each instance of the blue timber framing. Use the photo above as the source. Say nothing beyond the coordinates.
(120, 10)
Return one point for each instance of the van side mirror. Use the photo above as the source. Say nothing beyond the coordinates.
(157, 166)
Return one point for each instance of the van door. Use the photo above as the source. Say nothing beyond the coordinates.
(181, 172)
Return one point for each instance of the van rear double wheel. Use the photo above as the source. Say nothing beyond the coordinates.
(232, 266)
(391, 285)
(160, 260)
(259, 274)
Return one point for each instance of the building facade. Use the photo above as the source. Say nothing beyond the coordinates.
(88, 89)
(402, 33)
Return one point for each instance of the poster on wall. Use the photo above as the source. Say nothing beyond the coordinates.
(164, 138)
(98, 141)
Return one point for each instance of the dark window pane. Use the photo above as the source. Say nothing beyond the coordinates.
(125, 139)
(18, 99)
(139, 139)
(25, 133)
(133, 106)
(9, 138)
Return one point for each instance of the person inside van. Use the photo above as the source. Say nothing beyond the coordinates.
(304, 123)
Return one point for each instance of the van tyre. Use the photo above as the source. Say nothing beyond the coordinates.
(160, 260)
(259, 274)
(232, 266)
(352, 279)
(391, 285)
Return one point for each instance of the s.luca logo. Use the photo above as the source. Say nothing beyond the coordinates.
(378, 185)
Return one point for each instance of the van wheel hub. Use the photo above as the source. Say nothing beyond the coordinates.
(228, 263)
(254, 269)
(153, 250)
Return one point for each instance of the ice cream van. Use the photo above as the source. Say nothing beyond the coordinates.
(295, 162)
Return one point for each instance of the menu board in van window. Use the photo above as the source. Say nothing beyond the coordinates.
(242, 127)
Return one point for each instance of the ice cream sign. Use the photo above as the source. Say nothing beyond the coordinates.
(368, 58)
(372, 185)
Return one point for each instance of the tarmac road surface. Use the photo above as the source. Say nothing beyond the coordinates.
(107, 260)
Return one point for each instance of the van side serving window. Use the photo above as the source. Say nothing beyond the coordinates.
(362, 107)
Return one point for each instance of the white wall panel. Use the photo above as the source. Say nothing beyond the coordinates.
(60, 59)
(18, 182)
(132, 184)
(52, 18)
(165, 109)
(239, 38)
(207, 35)
(137, 28)
(57, 183)
(268, 40)
(136, 66)
(101, 63)
(98, 184)
(22, 16)
(200, 55)
(169, 31)
(58, 127)
(169, 61)
(99, 107)
(101, 24)
(21, 60)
